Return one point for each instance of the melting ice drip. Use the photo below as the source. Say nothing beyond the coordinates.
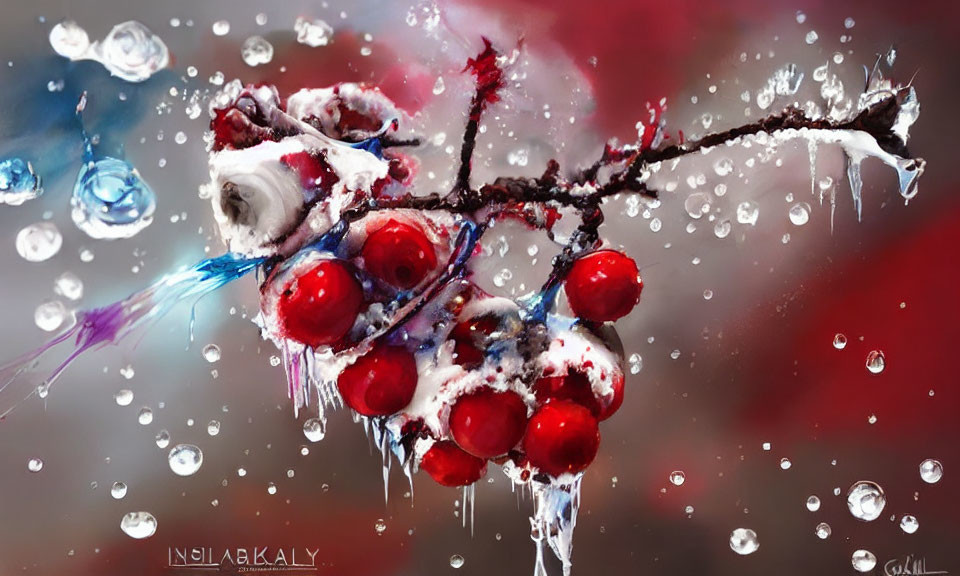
(18, 182)
(110, 199)
(130, 51)
(115, 322)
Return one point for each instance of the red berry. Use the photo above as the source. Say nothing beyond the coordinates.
(469, 340)
(399, 254)
(320, 306)
(575, 386)
(448, 465)
(381, 382)
(488, 423)
(603, 286)
(562, 436)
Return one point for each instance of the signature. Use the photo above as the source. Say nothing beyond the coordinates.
(909, 565)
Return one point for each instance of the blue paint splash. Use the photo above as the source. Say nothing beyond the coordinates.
(115, 322)
(110, 199)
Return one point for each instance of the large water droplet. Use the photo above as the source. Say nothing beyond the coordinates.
(799, 213)
(839, 341)
(185, 459)
(50, 315)
(456, 561)
(748, 212)
(132, 52)
(145, 416)
(313, 33)
(211, 353)
(256, 50)
(69, 286)
(863, 560)
(163, 439)
(909, 524)
(866, 500)
(221, 28)
(213, 427)
(39, 242)
(69, 40)
(18, 182)
(118, 490)
(315, 429)
(123, 397)
(35, 465)
(823, 531)
(876, 361)
(110, 199)
(677, 477)
(813, 503)
(931, 471)
(139, 525)
(722, 228)
(744, 541)
(697, 204)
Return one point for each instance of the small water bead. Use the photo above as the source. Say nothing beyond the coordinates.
(785, 463)
(162, 439)
(139, 525)
(35, 465)
(799, 213)
(313, 33)
(708, 294)
(744, 541)
(69, 286)
(931, 471)
(221, 28)
(145, 416)
(723, 166)
(863, 560)
(18, 182)
(213, 427)
(813, 503)
(839, 341)
(69, 40)
(439, 86)
(811, 37)
(748, 212)
(185, 459)
(697, 205)
(677, 477)
(38, 242)
(241, 472)
(456, 561)
(909, 523)
(688, 509)
(722, 228)
(876, 361)
(380, 526)
(261, 19)
(180, 137)
(866, 500)
(636, 363)
(123, 397)
(50, 315)
(271, 488)
(211, 353)
(315, 429)
(823, 531)
(801, 17)
(849, 23)
(655, 225)
(118, 490)
(256, 50)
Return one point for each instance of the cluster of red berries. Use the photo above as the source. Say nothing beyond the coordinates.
(550, 424)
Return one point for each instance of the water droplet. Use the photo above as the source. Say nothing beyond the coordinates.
(823, 531)
(213, 427)
(139, 525)
(697, 205)
(145, 416)
(39, 242)
(813, 503)
(69, 286)
(211, 353)
(839, 341)
(636, 363)
(708, 294)
(315, 429)
(723, 166)
(801, 17)
(748, 212)
(722, 228)
(118, 490)
(35, 465)
(909, 523)
(185, 459)
(380, 526)
(18, 182)
(438, 86)
(456, 561)
(785, 463)
(130, 51)
(256, 50)
(271, 488)
(655, 225)
(931, 471)
(800, 213)
(677, 477)
(811, 37)
(863, 560)
(313, 33)
(876, 361)
(69, 40)
(849, 23)
(50, 315)
(163, 439)
(221, 28)
(866, 500)
(744, 541)
(123, 397)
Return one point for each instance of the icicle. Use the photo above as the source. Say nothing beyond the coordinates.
(812, 150)
(856, 182)
(555, 509)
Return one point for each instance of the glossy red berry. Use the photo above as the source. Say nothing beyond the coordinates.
(487, 423)
(469, 337)
(603, 286)
(562, 437)
(320, 306)
(400, 254)
(449, 465)
(381, 382)
(575, 386)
